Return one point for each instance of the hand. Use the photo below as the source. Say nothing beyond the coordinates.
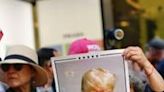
(136, 55)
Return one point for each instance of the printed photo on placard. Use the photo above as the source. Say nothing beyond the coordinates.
(104, 71)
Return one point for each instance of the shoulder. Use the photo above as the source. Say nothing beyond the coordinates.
(10, 90)
(161, 64)
(160, 68)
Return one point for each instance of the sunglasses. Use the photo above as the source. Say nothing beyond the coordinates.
(6, 67)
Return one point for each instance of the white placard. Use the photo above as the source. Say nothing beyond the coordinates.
(69, 71)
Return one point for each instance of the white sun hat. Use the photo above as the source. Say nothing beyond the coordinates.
(20, 54)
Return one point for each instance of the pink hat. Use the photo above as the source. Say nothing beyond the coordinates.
(83, 46)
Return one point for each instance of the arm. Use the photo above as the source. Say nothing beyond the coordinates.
(136, 55)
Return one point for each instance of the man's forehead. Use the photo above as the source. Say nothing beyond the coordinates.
(156, 50)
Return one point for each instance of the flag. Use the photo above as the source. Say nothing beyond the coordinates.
(1, 34)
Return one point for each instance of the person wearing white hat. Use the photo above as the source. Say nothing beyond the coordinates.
(20, 70)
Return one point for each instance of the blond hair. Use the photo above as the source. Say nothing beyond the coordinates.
(98, 80)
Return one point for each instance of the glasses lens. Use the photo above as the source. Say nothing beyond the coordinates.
(18, 67)
(5, 67)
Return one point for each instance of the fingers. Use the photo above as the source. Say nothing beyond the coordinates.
(130, 55)
(135, 54)
(131, 52)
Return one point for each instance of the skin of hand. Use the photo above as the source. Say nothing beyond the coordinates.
(136, 55)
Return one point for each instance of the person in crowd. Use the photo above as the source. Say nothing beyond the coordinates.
(98, 80)
(155, 51)
(137, 57)
(83, 45)
(20, 69)
(155, 55)
(45, 55)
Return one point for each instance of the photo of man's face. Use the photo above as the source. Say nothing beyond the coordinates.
(98, 80)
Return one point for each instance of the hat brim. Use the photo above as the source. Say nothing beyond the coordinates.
(40, 78)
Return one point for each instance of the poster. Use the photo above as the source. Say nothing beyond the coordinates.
(88, 72)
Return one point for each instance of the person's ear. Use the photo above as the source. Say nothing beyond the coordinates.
(48, 66)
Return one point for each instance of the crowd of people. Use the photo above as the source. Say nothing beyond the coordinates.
(26, 70)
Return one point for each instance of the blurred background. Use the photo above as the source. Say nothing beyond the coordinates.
(56, 23)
